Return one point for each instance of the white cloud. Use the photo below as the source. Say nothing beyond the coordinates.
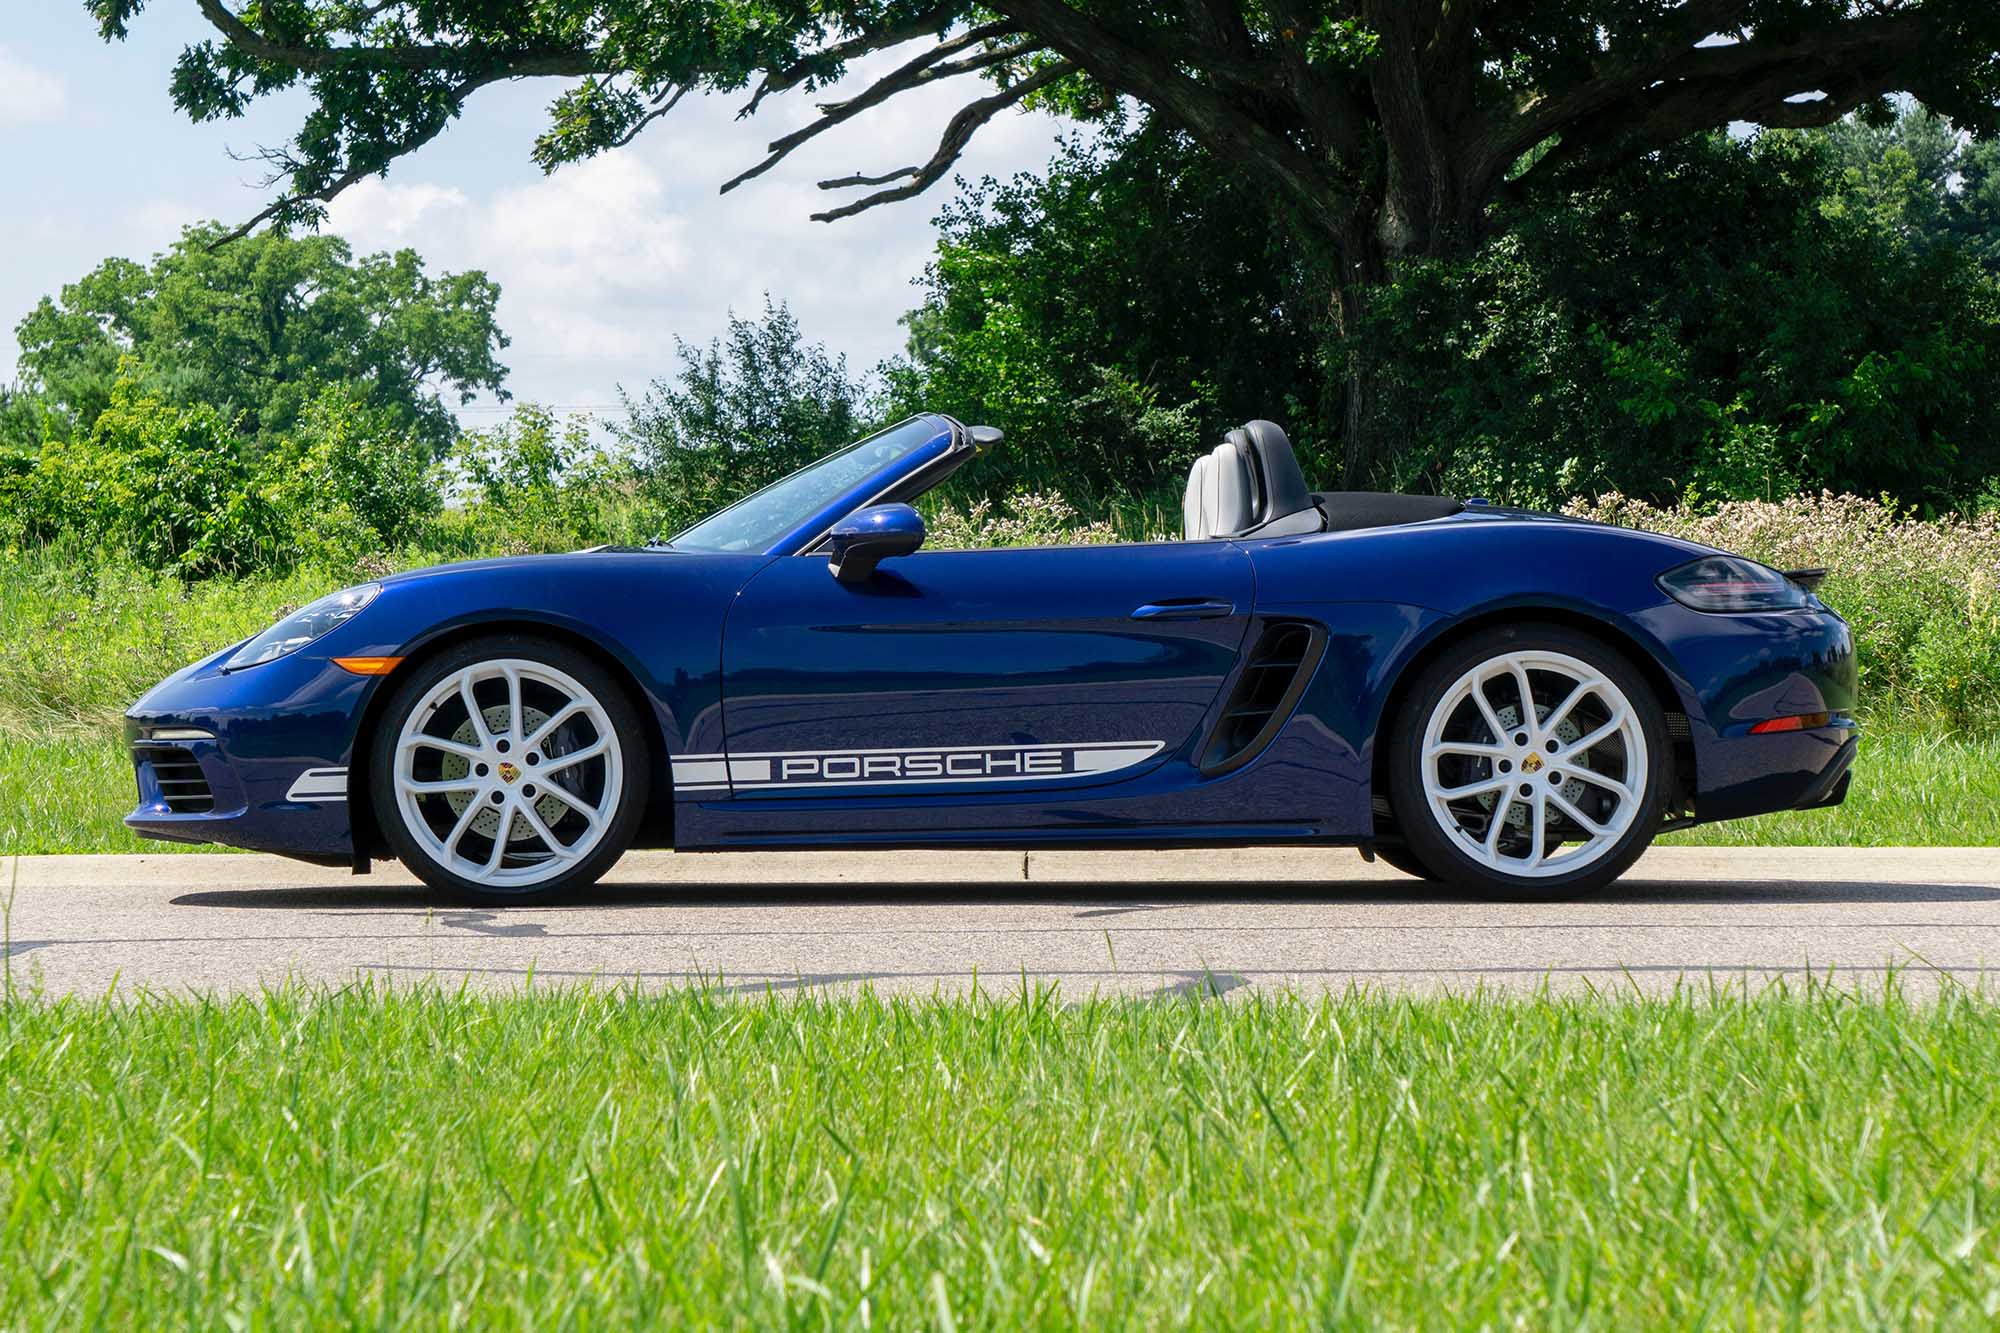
(28, 96)
(603, 263)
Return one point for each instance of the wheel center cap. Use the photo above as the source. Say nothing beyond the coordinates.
(1530, 763)
(508, 772)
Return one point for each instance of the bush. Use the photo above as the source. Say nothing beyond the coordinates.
(173, 489)
(538, 484)
(747, 410)
(166, 486)
(1027, 518)
(347, 484)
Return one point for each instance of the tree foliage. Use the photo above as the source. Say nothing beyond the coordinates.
(1114, 316)
(256, 330)
(1743, 318)
(1739, 316)
(754, 405)
(1383, 129)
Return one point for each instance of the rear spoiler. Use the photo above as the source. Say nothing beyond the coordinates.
(1809, 579)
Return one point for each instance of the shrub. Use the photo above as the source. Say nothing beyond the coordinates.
(348, 484)
(538, 484)
(166, 485)
(1027, 518)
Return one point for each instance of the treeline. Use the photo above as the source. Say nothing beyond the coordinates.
(1738, 318)
(277, 403)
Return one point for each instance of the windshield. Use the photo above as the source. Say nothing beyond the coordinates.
(758, 520)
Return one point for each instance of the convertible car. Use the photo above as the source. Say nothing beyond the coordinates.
(1511, 702)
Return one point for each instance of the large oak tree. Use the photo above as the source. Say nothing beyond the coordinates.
(1382, 129)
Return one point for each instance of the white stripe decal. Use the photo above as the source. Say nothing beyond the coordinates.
(319, 784)
(951, 765)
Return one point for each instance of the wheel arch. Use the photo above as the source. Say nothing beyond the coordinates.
(1618, 638)
(656, 826)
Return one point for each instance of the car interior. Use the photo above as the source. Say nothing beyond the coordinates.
(1251, 485)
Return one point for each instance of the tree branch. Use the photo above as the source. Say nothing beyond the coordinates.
(925, 68)
(1149, 71)
(927, 24)
(1621, 74)
(957, 135)
(528, 62)
(357, 171)
(1667, 112)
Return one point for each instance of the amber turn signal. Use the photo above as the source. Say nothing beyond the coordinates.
(368, 666)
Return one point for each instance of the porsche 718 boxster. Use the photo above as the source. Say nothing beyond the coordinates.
(1511, 702)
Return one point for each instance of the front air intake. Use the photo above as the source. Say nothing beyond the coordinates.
(177, 773)
(1273, 679)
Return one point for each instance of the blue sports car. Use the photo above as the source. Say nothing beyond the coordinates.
(1511, 702)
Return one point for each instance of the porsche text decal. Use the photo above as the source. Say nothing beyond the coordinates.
(892, 768)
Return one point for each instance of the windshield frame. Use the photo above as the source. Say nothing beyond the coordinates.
(892, 479)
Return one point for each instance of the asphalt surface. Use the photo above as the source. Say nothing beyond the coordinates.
(1146, 923)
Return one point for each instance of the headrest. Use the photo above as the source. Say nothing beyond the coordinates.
(1221, 493)
(1280, 483)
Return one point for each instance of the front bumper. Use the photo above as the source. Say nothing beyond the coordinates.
(255, 758)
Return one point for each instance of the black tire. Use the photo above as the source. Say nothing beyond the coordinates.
(1398, 857)
(1439, 848)
(622, 825)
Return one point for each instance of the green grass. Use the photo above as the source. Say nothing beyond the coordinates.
(61, 794)
(588, 1159)
(1911, 789)
(79, 641)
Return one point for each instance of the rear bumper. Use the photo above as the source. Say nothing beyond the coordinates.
(1760, 775)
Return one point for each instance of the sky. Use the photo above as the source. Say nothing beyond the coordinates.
(601, 265)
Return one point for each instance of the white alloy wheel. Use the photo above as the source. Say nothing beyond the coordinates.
(1534, 763)
(508, 773)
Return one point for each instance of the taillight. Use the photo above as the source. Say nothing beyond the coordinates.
(1731, 583)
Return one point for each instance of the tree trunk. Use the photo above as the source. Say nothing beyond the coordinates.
(1409, 224)
(1362, 269)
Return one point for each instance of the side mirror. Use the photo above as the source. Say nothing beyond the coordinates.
(869, 536)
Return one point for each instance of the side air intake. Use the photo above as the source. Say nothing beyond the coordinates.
(1280, 665)
(177, 773)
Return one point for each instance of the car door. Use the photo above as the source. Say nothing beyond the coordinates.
(958, 673)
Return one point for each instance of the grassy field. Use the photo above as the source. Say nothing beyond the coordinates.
(576, 1159)
(67, 792)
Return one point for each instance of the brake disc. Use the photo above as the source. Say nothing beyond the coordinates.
(487, 821)
(1568, 732)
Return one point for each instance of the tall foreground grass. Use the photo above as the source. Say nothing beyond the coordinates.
(363, 1159)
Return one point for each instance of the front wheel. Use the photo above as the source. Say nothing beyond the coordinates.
(509, 769)
(1529, 762)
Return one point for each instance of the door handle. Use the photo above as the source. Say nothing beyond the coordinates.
(1185, 608)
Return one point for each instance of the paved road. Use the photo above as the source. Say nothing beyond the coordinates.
(1129, 922)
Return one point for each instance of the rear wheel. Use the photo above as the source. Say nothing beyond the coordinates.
(509, 769)
(1529, 762)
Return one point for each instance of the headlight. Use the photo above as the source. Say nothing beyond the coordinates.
(1730, 583)
(303, 626)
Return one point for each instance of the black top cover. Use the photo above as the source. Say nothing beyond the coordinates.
(1347, 510)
